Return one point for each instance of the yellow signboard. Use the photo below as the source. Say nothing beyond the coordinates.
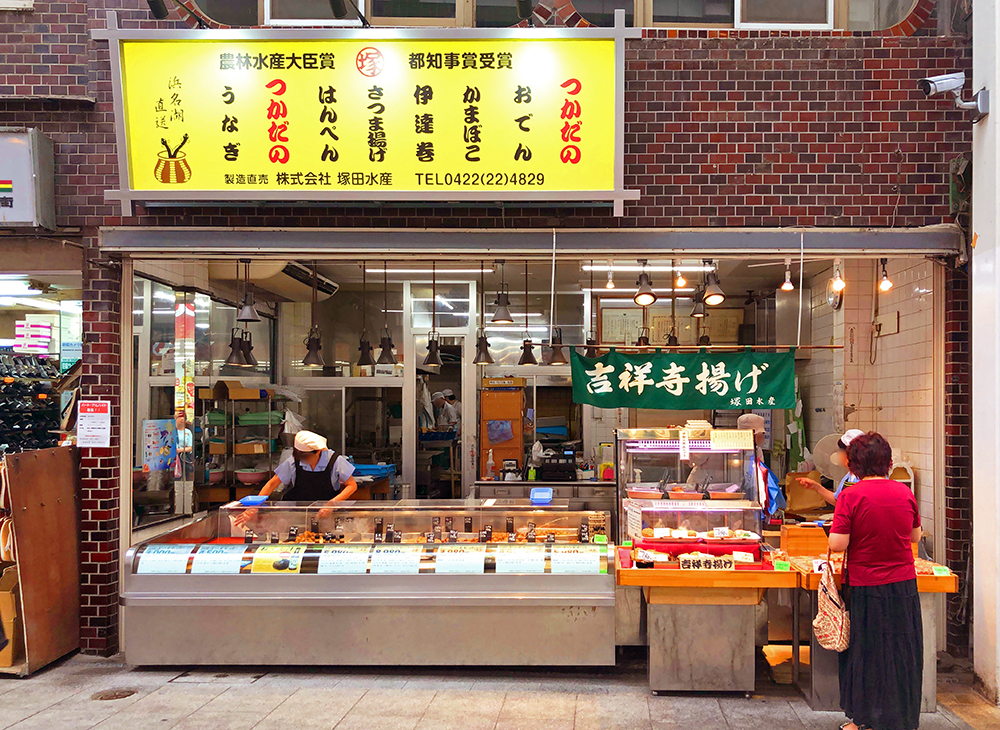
(367, 116)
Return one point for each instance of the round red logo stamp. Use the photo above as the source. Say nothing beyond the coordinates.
(370, 61)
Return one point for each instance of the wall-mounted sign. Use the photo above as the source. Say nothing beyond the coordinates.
(686, 381)
(27, 180)
(295, 115)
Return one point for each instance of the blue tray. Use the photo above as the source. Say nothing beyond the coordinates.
(253, 500)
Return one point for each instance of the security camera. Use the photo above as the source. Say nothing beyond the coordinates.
(953, 83)
(935, 85)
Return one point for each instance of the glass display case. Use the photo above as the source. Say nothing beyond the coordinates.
(693, 520)
(411, 582)
(693, 476)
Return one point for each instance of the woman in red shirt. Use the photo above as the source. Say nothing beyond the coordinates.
(875, 522)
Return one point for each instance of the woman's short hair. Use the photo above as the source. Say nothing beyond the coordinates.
(869, 456)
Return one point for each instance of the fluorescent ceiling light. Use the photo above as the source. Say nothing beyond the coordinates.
(10, 288)
(164, 296)
(443, 272)
(631, 301)
(445, 302)
(48, 304)
(637, 268)
(656, 289)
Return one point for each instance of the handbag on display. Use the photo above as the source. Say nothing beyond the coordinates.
(832, 624)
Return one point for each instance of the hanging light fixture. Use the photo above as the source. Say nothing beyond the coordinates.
(699, 305)
(644, 295)
(483, 356)
(704, 341)
(433, 359)
(643, 340)
(591, 350)
(837, 283)
(611, 275)
(364, 345)
(527, 356)
(788, 285)
(386, 356)
(248, 313)
(714, 296)
(313, 341)
(672, 340)
(247, 348)
(558, 357)
(679, 282)
(886, 283)
(502, 313)
(236, 357)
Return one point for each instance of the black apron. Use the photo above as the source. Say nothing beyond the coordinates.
(311, 486)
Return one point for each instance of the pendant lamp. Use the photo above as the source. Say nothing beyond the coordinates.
(247, 348)
(644, 295)
(714, 296)
(672, 337)
(313, 341)
(527, 356)
(236, 358)
(433, 359)
(672, 340)
(364, 345)
(483, 356)
(704, 341)
(558, 357)
(699, 305)
(386, 356)
(502, 313)
(643, 340)
(248, 313)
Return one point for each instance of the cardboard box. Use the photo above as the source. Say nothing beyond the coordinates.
(250, 449)
(10, 617)
(233, 390)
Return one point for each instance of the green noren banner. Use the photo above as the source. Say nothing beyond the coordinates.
(685, 381)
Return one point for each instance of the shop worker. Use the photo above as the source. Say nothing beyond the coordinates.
(447, 418)
(313, 474)
(838, 458)
(449, 395)
(758, 480)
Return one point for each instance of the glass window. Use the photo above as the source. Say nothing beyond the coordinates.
(693, 11)
(161, 330)
(602, 12)
(506, 339)
(813, 12)
(222, 320)
(413, 8)
(450, 310)
(310, 10)
(496, 13)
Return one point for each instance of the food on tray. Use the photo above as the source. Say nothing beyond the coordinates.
(647, 531)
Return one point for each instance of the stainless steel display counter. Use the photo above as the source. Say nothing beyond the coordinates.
(588, 495)
(200, 595)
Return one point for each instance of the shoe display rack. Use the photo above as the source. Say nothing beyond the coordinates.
(29, 407)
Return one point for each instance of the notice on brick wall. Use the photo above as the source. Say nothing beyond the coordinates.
(93, 424)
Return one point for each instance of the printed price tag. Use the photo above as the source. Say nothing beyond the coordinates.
(160, 559)
(721, 532)
(661, 533)
(460, 559)
(601, 539)
(219, 559)
(575, 559)
(728, 440)
(819, 565)
(278, 559)
(742, 557)
(942, 570)
(404, 559)
(343, 559)
(520, 558)
(782, 565)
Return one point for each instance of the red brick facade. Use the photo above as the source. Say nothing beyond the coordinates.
(723, 129)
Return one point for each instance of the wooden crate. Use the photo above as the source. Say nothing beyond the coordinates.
(804, 540)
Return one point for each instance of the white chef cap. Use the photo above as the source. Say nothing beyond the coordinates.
(448, 393)
(849, 435)
(309, 441)
(750, 421)
(437, 394)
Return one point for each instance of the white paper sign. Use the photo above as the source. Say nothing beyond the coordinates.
(742, 557)
(721, 532)
(351, 559)
(396, 559)
(520, 558)
(727, 440)
(93, 424)
(634, 519)
(684, 444)
(460, 559)
(164, 559)
(218, 559)
(661, 533)
(575, 559)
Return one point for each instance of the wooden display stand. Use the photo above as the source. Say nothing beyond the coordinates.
(43, 489)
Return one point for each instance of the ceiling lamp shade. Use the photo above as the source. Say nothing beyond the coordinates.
(313, 342)
(502, 313)
(247, 347)
(365, 347)
(672, 340)
(433, 359)
(236, 358)
(704, 341)
(483, 356)
(699, 306)
(527, 356)
(558, 357)
(387, 356)
(591, 351)
(714, 296)
(644, 295)
(643, 340)
(247, 313)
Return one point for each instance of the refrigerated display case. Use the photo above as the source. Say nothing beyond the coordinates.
(498, 582)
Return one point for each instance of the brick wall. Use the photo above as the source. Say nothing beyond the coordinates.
(958, 455)
(723, 128)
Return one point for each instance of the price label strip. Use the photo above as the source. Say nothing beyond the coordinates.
(220, 559)
(460, 559)
(278, 559)
(396, 559)
(343, 559)
(578, 559)
(164, 559)
(520, 558)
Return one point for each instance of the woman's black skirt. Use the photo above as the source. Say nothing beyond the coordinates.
(880, 674)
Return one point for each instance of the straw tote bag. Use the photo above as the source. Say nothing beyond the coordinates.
(832, 624)
(6, 521)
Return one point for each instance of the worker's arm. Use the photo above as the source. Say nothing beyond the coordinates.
(346, 492)
(839, 542)
(248, 514)
(822, 491)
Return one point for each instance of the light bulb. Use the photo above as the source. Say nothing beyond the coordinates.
(681, 281)
(788, 285)
(886, 283)
(611, 280)
(838, 283)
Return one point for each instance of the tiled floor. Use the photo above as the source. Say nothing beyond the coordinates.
(63, 697)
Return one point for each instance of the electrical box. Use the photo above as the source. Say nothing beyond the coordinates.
(27, 179)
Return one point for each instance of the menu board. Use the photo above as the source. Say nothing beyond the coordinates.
(520, 558)
(727, 440)
(344, 559)
(219, 559)
(577, 559)
(388, 559)
(460, 559)
(278, 559)
(164, 559)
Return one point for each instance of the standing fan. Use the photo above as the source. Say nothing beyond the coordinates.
(826, 448)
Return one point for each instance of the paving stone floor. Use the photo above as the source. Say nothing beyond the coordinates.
(63, 697)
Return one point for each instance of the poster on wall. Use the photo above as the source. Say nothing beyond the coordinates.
(159, 448)
(685, 381)
(93, 424)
